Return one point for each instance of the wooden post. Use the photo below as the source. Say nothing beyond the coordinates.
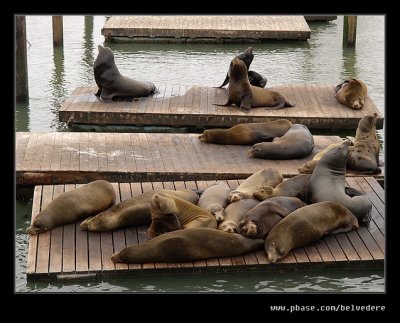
(22, 92)
(349, 31)
(57, 30)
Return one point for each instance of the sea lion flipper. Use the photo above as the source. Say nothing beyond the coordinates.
(352, 192)
(98, 92)
(245, 105)
(105, 96)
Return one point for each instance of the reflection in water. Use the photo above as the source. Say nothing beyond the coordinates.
(349, 62)
(22, 116)
(87, 57)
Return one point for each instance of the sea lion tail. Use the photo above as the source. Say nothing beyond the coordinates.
(155, 90)
(288, 105)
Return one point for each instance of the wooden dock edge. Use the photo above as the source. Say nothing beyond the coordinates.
(278, 268)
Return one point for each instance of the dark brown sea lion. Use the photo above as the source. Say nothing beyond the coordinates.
(296, 186)
(364, 157)
(327, 183)
(247, 133)
(351, 93)
(258, 221)
(308, 167)
(298, 142)
(188, 245)
(306, 225)
(164, 205)
(265, 177)
(73, 205)
(246, 96)
(134, 211)
(256, 79)
(234, 213)
(112, 83)
(214, 199)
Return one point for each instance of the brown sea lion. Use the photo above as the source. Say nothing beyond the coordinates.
(298, 142)
(296, 186)
(308, 167)
(112, 83)
(258, 221)
(73, 205)
(306, 225)
(188, 245)
(247, 133)
(246, 96)
(234, 213)
(188, 214)
(134, 211)
(351, 93)
(214, 199)
(364, 157)
(327, 183)
(262, 178)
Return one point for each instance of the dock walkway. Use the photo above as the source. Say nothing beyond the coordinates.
(204, 29)
(68, 252)
(192, 106)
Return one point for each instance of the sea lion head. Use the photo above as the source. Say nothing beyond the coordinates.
(105, 57)
(163, 203)
(204, 136)
(227, 226)
(235, 196)
(368, 122)
(218, 212)
(264, 193)
(41, 223)
(238, 69)
(274, 253)
(247, 228)
(357, 103)
(336, 158)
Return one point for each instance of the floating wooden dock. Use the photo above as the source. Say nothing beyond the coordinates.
(68, 252)
(72, 157)
(204, 29)
(316, 107)
(320, 18)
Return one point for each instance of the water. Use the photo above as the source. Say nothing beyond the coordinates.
(55, 73)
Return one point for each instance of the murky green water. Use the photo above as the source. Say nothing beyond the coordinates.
(55, 73)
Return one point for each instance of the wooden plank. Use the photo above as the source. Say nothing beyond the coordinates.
(56, 245)
(69, 242)
(33, 239)
(346, 246)
(376, 187)
(300, 255)
(324, 252)
(312, 253)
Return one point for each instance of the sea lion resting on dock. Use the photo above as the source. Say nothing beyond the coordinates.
(258, 221)
(164, 205)
(351, 93)
(214, 199)
(262, 178)
(327, 183)
(298, 142)
(306, 225)
(364, 156)
(246, 133)
(246, 96)
(73, 205)
(133, 211)
(112, 83)
(188, 245)
(234, 213)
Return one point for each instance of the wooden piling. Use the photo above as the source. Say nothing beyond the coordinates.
(349, 31)
(22, 92)
(57, 31)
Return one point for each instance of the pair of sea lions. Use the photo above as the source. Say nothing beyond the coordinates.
(254, 78)
(246, 133)
(351, 93)
(112, 83)
(246, 96)
(234, 214)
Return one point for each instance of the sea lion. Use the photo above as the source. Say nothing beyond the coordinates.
(351, 93)
(296, 186)
(262, 178)
(234, 213)
(188, 214)
(214, 199)
(364, 157)
(246, 96)
(112, 83)
(256, 79)
(298, 142)
(73, 205)
(306, 225)
(327, 183)
(246, 133)
(133, 211)
(246, 57)
(308, 167)
(188, 245)
(258, 221)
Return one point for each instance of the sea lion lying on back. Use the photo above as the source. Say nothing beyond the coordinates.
(214, 199)
(246, 96)
(351, 93)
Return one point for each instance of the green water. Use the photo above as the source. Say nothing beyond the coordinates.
(54, 73)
